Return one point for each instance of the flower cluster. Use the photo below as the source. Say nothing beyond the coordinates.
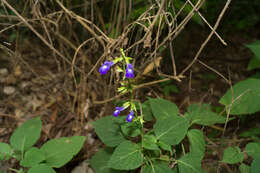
(128, 73)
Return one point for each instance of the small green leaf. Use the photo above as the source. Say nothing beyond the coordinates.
(127, 156)
(149, 142)
(202, 115)
(60, 151)
(197, 143)
(20, 170)
(171, 130)
(109, 131)
(42, 168)
(131, 129)
(5, 151)
(163, 108)
(32, 157)
(243, 98)
(189, 164)
(165, 147)
(120, 89)
(170, 88)
(243, 168)
(254, 63)
(26, 135)
(232, 155)
(250, 132)
(255, 48)
(255, 166)
(253, 149)
(99, 161)
(156, 168)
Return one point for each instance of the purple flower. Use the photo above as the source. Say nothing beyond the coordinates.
(130, 116)
(105, 67)
(118, 110)
(129, 71)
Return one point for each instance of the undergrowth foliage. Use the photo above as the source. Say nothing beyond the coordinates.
(160, 149)
(53, 154)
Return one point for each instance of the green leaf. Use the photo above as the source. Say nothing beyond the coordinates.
(127, 156)
(160, 167)
(255, 166)
(255, 48)
(163, 108)
(131, 129)
(147, 111)
(149, 142)
(170, 88)
(32, 157)
(165, 147)
(171, 130)
(26, 135)
(60, 151)
(108, 130)
(253, 63)
(202, 115)
(197, 143)
(250, 132)
(5, 151)
(99, 161)
(189, 164)
(253, 149)
(42, 168)
(246, 96)
(20, 170)
(243, 168)
(232, 155)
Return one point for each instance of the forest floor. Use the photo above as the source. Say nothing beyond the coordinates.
(31, 85)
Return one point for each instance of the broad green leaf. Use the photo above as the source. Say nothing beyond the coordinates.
(255, 166)
(232, 155)
(171, 130)
(244, 98)
(32, 157)
(42, 168)
(147, 111)
(202, 115)
(109, 131)
(189, 164)
(255, 48)
(26, 135)
(253, 149)
(243, 168)
(254, 63)
(163, 108)
(149, 142)
(60, 151)
(127, 156)
(99, 161)
(197, 143)
(131, 129)
(5, 151)
(156, 168)
(165, 147)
